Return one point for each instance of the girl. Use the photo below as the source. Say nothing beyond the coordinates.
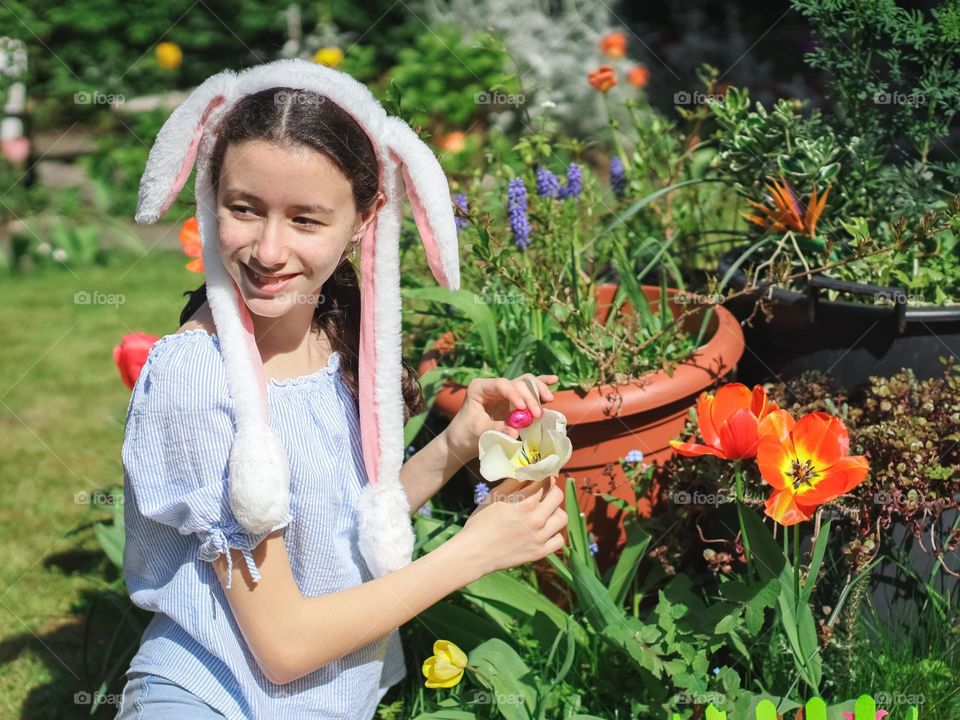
(265, 527)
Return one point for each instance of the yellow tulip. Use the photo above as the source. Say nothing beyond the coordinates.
(169, 55)
(330, 57)
(445, 668)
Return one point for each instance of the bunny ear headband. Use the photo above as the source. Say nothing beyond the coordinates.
(259, 475)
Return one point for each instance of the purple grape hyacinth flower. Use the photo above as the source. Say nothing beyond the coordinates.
(480, 492)
(548, 185)
(517, 207)
(618, 177)
(574, 185)
(460, 200)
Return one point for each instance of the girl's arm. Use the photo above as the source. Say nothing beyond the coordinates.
(291, 635)
(428, 470)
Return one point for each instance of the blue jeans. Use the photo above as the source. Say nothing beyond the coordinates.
(151, 697)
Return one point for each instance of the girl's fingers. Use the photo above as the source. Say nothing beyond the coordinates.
(546, 393)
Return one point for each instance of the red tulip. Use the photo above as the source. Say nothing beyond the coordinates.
(729, 422)
(638, 76)
(603, 78)
(614, 44)
(131, 354)
(806, 463)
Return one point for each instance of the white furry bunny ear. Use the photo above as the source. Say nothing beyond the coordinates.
(175, 149)
(429, 198)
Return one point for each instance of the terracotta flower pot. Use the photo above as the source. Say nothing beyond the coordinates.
(608, 422)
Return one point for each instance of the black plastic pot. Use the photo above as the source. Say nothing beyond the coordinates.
(850, 341)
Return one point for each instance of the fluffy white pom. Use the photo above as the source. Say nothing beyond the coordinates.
(259, 480)
(386, 533)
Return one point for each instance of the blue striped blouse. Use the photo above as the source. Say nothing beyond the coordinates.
(179, 430)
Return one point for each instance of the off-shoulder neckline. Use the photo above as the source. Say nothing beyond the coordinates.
(331, 369)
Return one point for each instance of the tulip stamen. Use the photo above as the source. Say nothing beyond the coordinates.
(530, 459)
(802, 473)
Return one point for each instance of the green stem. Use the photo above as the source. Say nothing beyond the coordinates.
(613, 131)
(796, 566)
(738, 484)
(537, 315)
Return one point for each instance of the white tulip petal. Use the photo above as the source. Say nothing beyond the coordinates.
(562, 447)
(539, 470)
(495, 465)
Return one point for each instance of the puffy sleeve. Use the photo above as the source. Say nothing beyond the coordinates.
(176, 447)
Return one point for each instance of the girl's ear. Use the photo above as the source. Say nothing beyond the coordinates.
(429, 197)
(173, 153)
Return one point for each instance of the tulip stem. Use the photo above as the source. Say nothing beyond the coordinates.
(537, 314)
(796, 562)
(738, 485)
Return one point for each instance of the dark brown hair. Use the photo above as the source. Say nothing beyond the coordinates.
(289, 118)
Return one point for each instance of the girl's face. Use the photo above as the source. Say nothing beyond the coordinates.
(286, 216)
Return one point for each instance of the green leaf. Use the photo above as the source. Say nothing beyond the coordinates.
(638, 540)
(465, 628)
(501, 669)
(815, 562)
(479, 313)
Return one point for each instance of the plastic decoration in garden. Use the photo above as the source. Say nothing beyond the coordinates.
(865, 708)
(542, 450)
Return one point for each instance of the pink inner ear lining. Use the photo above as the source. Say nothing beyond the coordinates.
(191, 154)
(367, 364)
(422, 220)
(253, 351)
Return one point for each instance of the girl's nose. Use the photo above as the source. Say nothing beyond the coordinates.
(271, 247)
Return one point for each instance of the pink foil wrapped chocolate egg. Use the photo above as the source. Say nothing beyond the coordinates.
(520, 419)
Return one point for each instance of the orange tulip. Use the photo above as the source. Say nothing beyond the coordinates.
(603, 78)
(729, 422)
(806, 463)
(190, 240)
(131, 355)
(614, 45)
(638, 76)
(453, 142)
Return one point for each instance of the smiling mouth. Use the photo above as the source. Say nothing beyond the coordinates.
(268, 283)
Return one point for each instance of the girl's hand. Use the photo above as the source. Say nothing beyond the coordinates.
(519, 528)
(488, 405)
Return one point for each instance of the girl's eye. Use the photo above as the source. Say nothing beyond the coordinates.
(236, 209)
(305, 220)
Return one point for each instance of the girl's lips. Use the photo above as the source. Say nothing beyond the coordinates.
(268, 285)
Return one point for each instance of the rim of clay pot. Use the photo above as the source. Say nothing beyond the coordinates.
(706, 366)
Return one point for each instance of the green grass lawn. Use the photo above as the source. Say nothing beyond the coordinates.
(62, 409)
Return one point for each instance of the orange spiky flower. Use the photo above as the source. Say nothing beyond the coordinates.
(787, 213)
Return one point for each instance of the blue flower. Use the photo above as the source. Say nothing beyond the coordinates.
(548, 185)
(594, 548)
(425, 510)
(480, 492)
(410, 451)
(461, 202)
(574, 185)
(517, 207)
(716, 671)
(618, 177)
(634, 456)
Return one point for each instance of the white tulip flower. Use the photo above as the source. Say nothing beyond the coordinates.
(542, 450)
